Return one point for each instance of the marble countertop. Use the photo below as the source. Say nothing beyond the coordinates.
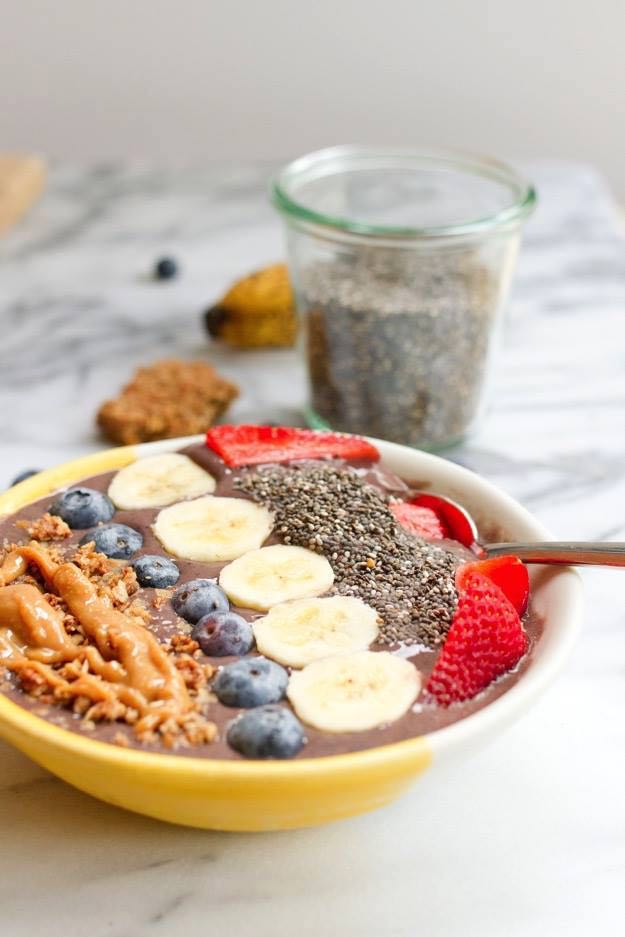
(529, 839)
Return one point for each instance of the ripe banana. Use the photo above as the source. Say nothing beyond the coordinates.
(265, 577)
(212, 530)
(299, 632)
(354, 692)
(159, 480)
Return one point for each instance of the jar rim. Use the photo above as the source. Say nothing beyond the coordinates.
(328, 161)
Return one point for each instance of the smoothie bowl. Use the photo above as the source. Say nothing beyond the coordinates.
(261, 629)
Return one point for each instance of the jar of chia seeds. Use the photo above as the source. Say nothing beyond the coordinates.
(401, 261)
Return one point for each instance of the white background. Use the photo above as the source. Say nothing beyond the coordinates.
(195, 79)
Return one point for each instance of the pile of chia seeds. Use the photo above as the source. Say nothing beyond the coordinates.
(331, 510)
(397, 341)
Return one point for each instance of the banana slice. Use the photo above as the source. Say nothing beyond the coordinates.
(159, 480)
(354, 692)
(263, 578)
(212, 530)
(297, 633)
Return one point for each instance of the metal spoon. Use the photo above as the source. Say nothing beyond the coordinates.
(557, 553)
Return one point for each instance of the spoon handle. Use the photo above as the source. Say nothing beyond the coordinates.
(566, 554)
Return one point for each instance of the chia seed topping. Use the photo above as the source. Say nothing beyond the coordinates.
(329, 509)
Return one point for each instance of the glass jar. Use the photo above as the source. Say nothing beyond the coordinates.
(401, 261)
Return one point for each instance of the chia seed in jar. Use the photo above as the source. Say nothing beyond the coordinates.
(397, 344)
(401, 259)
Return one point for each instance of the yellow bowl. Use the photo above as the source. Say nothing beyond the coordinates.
(257, 795)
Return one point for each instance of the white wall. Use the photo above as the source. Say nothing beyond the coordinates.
(186, 80)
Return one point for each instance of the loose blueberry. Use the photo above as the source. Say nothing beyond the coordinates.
(252, 681)
(223, 634)
(197, 598)
(83, 507)
(266, 732)
(156, 572)
(27, 473)
(115, 540)
(166, 268)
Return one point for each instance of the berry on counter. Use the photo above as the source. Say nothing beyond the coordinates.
(507, 572)
(156, 572)
(116, 541)
(223, 634)
(486, 639)
(250, 445)
(166, 268)
(83, 507)
(199, 597)
(266, 732)
(420, 521)
(27, 473)
(252, 681)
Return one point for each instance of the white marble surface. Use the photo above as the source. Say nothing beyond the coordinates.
(530, 838)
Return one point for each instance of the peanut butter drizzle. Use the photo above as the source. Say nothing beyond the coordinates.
(124, 663)
(31, 627)
(14, 565)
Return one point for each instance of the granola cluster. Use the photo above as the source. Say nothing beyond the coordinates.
(167, 399)
(46, 528)
(83, 677)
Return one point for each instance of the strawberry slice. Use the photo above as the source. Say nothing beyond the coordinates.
(249, 445)
(486, 639)
(453, 518)
(420, 521)
(507, 572)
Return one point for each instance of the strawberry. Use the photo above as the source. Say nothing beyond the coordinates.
(507, 572)
(486, 639)
(452, 517)
(422, 522)
(249, 445)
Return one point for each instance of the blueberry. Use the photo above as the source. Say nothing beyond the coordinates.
(266, 732)
(156, 571)
(197, 598)
(83, 507)
(27, 473)
(115, 540)
(222, 634)
(166, 268)
(252, 681)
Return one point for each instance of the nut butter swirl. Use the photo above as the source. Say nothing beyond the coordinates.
(122, 663)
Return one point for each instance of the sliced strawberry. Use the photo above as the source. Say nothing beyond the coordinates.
(507, 572)
(453, 518)
(422, 522)
(485, 640)
(249, 445)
